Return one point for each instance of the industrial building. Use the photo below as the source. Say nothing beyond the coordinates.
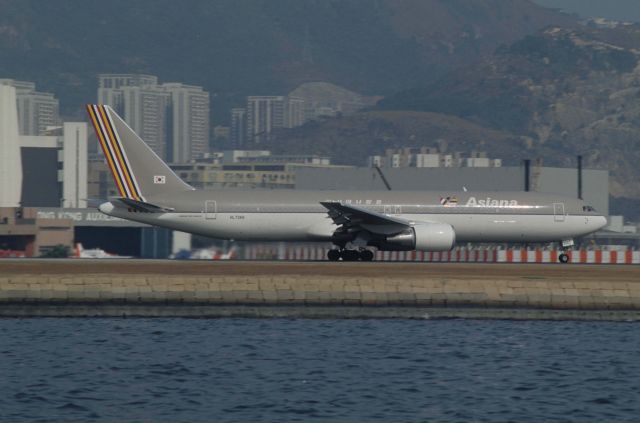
(246, 169)
(48, 170)
(33, 231)
(595, 183)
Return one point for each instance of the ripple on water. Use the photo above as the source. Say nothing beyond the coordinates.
(299, 370)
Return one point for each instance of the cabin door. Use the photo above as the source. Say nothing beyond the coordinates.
(558, 212)
(210, 210)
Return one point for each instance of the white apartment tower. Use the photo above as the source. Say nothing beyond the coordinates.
(10, 160)
(75, 161)
(266, 113)
(141, 103)
(36, 110)
(172, 118)
(294, 112)
(188, 122)
(110, 87)
(238, 128)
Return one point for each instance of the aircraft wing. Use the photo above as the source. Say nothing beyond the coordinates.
(352, 218)
(141, 206)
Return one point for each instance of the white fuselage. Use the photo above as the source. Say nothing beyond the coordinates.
(296, 227)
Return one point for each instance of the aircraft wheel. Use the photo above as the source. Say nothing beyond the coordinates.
(333, 255)
(350, 255)
(366, 255)
(563, 258)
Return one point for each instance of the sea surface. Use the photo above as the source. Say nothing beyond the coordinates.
(287, 370)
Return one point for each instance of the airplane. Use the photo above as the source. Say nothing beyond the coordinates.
(150, 192)
(94, 253)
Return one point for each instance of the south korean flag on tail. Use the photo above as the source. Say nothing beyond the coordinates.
(159, 179)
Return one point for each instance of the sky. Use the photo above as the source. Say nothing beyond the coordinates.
(622, 10)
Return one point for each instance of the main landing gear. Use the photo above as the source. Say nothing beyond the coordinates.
(566, 245)
(350, 255)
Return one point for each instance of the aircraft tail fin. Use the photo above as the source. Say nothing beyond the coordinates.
(137, 170)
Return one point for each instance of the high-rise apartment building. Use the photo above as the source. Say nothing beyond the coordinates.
(172, 118)
(110, 87)
(36, 110)
(188, 122)
(238, 129)
(266, 113)
(294, 112)
(141, 103)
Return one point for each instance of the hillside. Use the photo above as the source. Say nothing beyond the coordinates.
(562, 91)
(350, 139)
(236, 48)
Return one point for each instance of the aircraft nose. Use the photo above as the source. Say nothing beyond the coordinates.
(599, 222)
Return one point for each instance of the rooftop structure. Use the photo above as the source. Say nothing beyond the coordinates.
(430, 157)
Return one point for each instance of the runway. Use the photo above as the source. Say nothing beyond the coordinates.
(79, 287)
(475, 271)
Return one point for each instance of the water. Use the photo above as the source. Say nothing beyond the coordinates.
(278, 370)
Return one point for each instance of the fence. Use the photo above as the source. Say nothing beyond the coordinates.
(461, 255)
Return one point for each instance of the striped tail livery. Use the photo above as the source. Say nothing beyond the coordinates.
(136, 169)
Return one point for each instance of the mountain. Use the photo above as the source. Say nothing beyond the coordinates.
(238, 48)
(349, 140)
(620, 10)
(562, 91)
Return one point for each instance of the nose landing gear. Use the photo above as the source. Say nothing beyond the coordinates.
(566, 245)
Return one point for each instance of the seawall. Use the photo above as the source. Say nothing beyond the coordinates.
(289, 289)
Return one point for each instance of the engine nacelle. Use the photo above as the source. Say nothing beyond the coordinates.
(422, 237)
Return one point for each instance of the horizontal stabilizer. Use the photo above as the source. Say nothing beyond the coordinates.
(141, 206)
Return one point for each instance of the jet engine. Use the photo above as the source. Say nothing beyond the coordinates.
(422, 237)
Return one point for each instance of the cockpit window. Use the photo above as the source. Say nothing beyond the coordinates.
(588, 209)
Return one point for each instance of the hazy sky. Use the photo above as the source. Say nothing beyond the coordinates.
(624, 10)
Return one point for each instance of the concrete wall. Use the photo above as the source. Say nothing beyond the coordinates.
(10, 163)
(175, 290)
